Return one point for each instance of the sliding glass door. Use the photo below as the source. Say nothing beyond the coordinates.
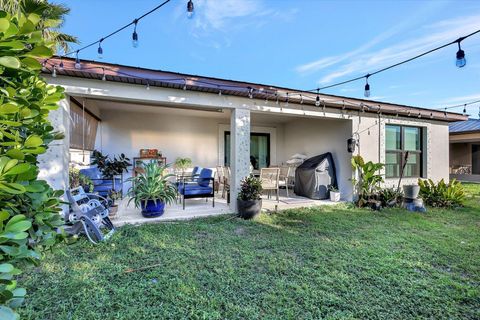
(259, 150)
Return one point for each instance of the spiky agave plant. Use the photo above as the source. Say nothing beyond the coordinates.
(152, 184)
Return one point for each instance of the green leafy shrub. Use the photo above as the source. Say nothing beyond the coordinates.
(368, 183)
(76, 179)
(250, 189)
(29, 208)
(390, 197)
(441, 194)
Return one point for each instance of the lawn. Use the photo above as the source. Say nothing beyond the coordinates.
(327, 262)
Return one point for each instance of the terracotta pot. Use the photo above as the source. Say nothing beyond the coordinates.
(112, 211)
(248, 209)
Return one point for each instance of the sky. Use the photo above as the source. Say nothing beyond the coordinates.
(301, 44)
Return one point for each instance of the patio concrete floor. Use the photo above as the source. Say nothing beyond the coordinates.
(197, 208)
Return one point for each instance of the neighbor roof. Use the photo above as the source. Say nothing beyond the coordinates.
(468, 126)
(141, 76)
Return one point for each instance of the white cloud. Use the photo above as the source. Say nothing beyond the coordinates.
(460, 99)
(438, 34)
(215, 14)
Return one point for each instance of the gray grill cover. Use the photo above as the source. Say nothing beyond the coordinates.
(315, 176)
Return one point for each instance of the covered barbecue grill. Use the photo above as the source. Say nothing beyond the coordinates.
(315, 176)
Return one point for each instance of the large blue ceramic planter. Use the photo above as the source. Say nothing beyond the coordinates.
(152, 209)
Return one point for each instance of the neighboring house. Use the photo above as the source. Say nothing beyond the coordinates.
(465, 150)
(217, 122)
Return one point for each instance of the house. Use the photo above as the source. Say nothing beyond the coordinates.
(465, 150)
(217, 121)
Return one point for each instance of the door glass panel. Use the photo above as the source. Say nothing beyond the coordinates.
(259, 150)
(393, 138)
(412, 139)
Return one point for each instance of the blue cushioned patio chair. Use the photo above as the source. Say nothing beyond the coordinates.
(101, 185)
(201, 186)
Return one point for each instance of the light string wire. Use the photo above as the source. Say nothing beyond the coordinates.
(265, 93)
(135, 21)
(269, 94)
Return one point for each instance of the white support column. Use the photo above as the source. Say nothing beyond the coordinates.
(239, 151)
(54, 163)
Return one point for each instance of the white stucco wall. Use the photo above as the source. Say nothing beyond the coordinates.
(371, 144)
(316, 136)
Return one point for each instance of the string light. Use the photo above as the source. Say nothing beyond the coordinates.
(190, 9)
(61, 64)
(461, 61)
(250, 92)
(44, 65)
(78, 65)
(185, 84)
(134, 34)
(219, 92)
(301, 98)
(464, 109)
(367, 87)
(104, 77)
(317, 100)
(54, 72)
(445, 112)
(148, 86)
(100, 49)
(287, 100)
(276, 98)
(419, 115)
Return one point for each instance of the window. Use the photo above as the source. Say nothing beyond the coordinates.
(399, 141)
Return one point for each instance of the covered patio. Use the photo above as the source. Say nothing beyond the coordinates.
(204, 136)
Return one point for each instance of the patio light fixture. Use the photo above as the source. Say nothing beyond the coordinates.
(78, 65)
(190, 9)
(351, 143)
(317, 100)
(461, 61)
(104, 77)
(54, 71)
(367, 87)
(135, 34)
(100, 49)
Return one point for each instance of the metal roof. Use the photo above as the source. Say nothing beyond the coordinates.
(142, 76)
(470, 125)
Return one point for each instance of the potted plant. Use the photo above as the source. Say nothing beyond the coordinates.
(334, 194)
(76, 179)
(113, 196)
(110, 167)
(151, 190)
(183, 164)
(249, 201)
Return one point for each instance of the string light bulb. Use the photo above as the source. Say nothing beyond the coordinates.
(431, 115)
(190, 9)
(461, 61)
(78, 65)
(148, 85)
(185, 84)
(445, 112)
(61, 64)
(367, 87)
(135, 34)
(465, 109)
(100, 49)
(250, 92)
(287, 100)
(104, 77)
(301, 98)
(317, 100)
(44, 65)
(54, 71)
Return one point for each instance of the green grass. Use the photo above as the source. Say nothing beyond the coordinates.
(329, 262)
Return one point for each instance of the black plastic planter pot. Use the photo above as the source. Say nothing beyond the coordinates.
(248, 209)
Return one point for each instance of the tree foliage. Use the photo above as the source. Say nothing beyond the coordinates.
(29, 208)
(51, 19)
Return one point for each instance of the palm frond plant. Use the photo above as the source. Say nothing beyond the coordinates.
(182, 164)
(152, 189)
(51, 18)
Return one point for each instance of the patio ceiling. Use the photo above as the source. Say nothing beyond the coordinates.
(142, 76)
